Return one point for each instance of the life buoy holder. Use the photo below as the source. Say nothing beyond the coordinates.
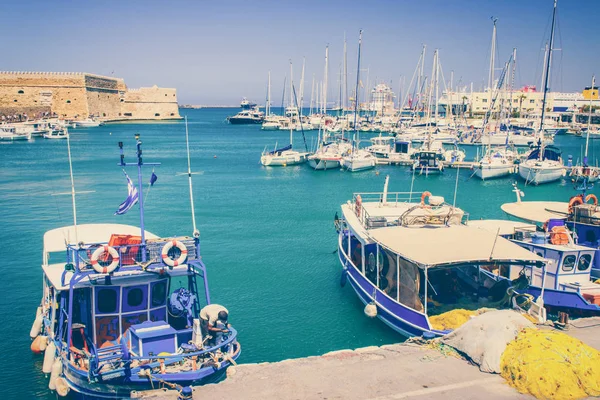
(593, 197)
(165, 253)
(425, 195)
(102, 252)
(358, 205)
(575, 200)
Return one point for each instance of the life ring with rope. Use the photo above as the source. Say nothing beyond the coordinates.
(425, 195)
(593, 197)
(575, 200)
(104, 252)
(165, 253)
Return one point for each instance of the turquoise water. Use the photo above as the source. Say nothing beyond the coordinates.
(267, 233)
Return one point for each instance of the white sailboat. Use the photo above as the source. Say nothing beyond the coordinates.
(287, 155)
(585, 171)
(544, 163)
(357, 159)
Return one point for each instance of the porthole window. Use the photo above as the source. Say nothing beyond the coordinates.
(569, 263)
(159, 291)
(584, 262)
(20, 92)
(135, 297)
(68, 101)
(107, 301)
(157, 115)
(15, 100)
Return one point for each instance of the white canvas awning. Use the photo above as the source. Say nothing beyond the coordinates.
(537, 211)
(57, 239)
(430, 246)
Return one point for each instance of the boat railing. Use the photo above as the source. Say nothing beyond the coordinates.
(138, 255)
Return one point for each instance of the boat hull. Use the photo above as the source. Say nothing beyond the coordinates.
(484, 171)
(322, 164)
(244, 121)
(355, 164)
(283, 160)
(540, 174)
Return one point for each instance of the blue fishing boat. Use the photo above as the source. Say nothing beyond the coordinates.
(121, 308)
(407, 259)
(564, 283)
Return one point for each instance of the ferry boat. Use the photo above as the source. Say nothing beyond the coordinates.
(384, 247)
(120, 309)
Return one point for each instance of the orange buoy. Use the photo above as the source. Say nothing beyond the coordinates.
(39, 344)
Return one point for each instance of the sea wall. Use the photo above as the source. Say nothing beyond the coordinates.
(76, 95)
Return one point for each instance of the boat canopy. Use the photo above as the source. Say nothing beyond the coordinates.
(58, 239)
(501, 227)
(537, 211)
(454, 245)
(288, 147)
(550, 153)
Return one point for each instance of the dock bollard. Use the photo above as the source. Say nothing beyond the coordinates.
(185, 393)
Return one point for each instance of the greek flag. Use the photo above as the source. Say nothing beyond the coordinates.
(132, 197)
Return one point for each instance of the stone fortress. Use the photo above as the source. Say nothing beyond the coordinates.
(76, 95)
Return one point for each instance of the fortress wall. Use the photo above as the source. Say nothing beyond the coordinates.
(75, 95)
(150, 103)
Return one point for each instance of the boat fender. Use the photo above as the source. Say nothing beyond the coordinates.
(36, 328)
(165, 253)
(371, 310)
(593, 197)
(62, 387)
(56, 372)
(49, 357)
(358, 205)
(575, 200)
(38, 343)
(344, 277)
(101, 251)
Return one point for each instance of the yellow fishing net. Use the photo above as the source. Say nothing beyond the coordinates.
(551, 365)
(451, 319)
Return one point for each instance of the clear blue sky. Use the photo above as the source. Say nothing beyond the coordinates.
(215, 52)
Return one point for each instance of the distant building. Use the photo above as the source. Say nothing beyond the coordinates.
(76, 95)
(382, 100)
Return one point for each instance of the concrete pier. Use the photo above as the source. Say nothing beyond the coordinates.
(400, 371)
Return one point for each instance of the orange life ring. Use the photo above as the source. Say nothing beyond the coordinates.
(425, 195)
(593, 197)
(358, 205)
(575, 200)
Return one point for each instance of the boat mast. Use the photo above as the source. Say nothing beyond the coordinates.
(547, 78)
(589, 124)
(72, 187)
(312, 94)
(268, 106)
(291, 101)
(492, 61)
(196, 232)
(325, 80)
(354, 144)
(301, 105)
(345, 101)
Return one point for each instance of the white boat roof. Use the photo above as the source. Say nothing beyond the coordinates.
(537, 211)
(431, 246)
(57, 239)
(506, 227)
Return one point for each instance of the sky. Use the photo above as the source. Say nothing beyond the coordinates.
(216, 52)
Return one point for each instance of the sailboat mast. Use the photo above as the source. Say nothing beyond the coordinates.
(345, 104)
(325, 80)
(589, 122)
(268, 107)
(492, 56)
(301, 105)
(356, 91)
(291, 101)
(548, 64)
(437, 85)
(312, 94)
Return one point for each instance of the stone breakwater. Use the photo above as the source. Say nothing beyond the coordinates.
(77, 95)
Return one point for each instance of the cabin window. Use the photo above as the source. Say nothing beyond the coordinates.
(157, 115)
(584, 262)
(68, 101)
(15, 100)
(569, 263)
(127, 114)
(172, 114)
(158, 293)
(20, 92)
(135, 298)
(106, 301)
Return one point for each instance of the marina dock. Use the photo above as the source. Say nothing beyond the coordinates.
(398, 371)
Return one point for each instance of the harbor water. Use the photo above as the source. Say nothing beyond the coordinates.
(267, 234)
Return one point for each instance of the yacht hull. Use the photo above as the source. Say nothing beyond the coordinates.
(321, 164)
(283, 160)
(484, 171)
(358, 164)
(540, 174)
